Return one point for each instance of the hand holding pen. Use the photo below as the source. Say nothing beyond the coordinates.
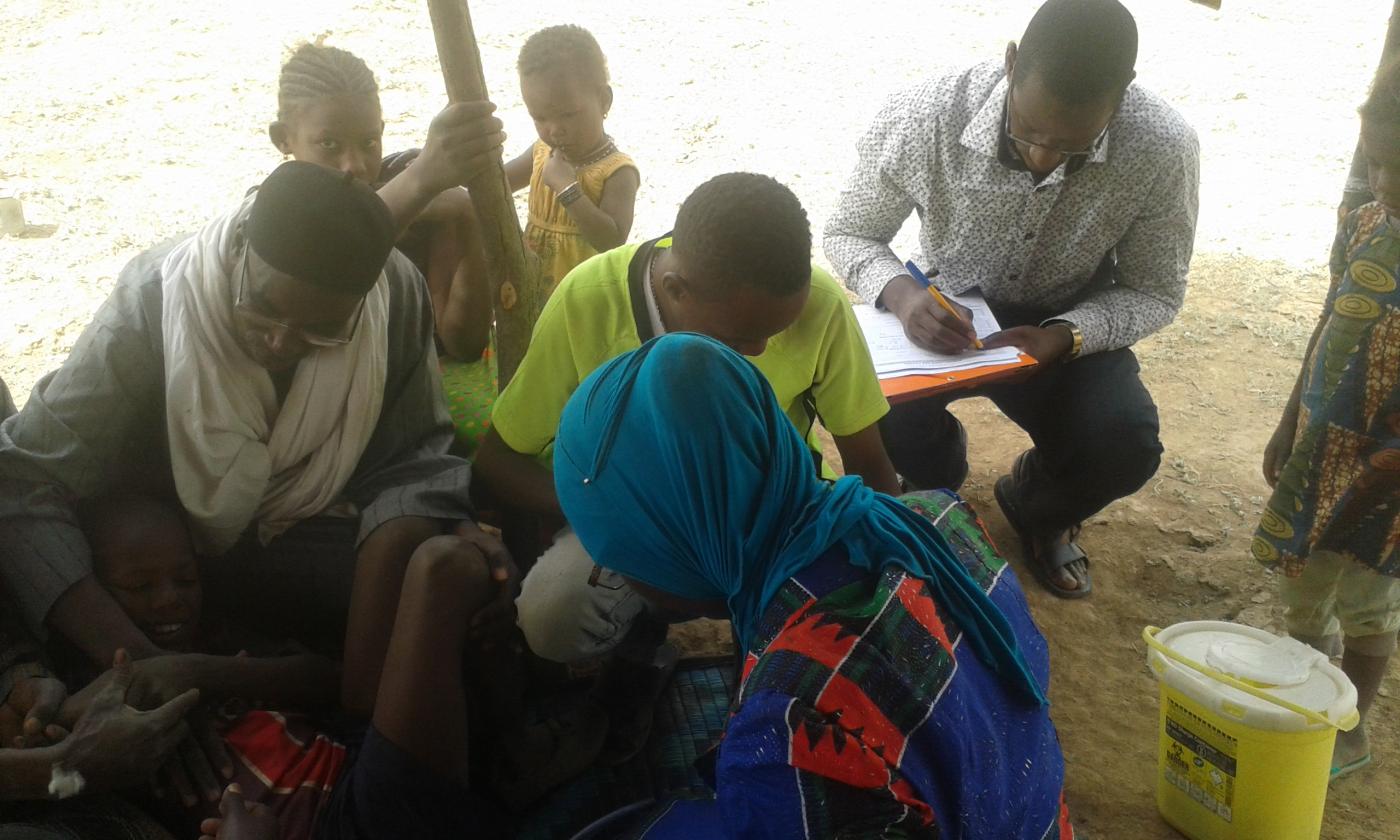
(930, 320)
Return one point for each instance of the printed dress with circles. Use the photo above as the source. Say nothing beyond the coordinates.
(1340, 488)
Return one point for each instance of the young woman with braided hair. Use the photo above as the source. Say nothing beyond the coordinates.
(328, 113)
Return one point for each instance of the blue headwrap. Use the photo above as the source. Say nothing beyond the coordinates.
(676, 467)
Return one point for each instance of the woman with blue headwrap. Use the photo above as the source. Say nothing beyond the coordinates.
(894, 680)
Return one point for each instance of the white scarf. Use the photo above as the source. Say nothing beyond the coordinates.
(235, 455)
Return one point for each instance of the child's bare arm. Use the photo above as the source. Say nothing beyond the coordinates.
(605, 225)
(863, 454)
(518, 169)
(301, 681)
(461, 304)
(1280, 444)
(305, 681)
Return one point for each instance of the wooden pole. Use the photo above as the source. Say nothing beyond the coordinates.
(515, 272)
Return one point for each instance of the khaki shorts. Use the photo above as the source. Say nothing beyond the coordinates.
(1337, 594)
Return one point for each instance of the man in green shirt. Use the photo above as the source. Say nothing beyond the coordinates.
(737, 268)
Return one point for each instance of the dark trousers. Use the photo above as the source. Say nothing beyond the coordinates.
(297, 586)
(1093, 424)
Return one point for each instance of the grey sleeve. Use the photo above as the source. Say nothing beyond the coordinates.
(65, 444)
(1154, 257)
(7, 403)
(406, 469)
(874, 205)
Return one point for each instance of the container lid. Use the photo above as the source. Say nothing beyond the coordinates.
(1283, 662)
(1284, 667)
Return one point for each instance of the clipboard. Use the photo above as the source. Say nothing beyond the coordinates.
(917, 386)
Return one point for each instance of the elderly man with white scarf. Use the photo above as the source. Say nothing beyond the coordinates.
(274, 373)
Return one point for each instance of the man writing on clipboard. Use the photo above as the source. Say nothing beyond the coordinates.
(1068, 195)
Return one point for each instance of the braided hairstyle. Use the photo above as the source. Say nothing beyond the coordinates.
(568, 49)
(315, 71)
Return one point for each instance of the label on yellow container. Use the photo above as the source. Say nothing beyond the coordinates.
(1200, 762)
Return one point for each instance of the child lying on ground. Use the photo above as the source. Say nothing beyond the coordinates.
(404, 776)
(1333, 524)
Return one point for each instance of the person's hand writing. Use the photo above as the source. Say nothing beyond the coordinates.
(1044, 344)
(113, 745)
(558, 173)
(495, 620)
(30, 714)
(927, 324)
(463, 141)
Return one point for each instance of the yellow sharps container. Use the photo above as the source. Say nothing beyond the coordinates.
(1245, 731)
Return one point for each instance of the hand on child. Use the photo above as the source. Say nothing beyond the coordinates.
(239, 819)
(557, 172)
(200, 766)
(28, 716)
(114, 745)
(495, 620)
(463, 141)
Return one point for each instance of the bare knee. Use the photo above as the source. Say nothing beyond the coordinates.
(449, 567)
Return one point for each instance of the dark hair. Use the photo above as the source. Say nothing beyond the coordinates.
(567, 48)
(315, 71)
(1082, 51)
(1382, 106)
(743, 229)
(97, 516)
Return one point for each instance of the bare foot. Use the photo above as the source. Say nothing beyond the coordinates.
(1073, 576)
(239, 819)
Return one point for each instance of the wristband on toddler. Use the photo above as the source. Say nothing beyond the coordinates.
(570, 194)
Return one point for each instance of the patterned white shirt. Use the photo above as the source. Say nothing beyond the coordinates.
(934, 149)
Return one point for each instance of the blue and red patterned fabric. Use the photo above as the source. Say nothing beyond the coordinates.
(862, 714)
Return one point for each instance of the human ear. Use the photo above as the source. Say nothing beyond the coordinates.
(1010, 58)
(277, 133)
(606, 94)
(673, 287)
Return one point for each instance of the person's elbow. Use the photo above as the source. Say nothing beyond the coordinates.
(463, 340)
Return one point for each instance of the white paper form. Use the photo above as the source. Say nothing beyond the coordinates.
(895, 355)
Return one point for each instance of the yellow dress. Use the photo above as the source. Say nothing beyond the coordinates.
(550, 231)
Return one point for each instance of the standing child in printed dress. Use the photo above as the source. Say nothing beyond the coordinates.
(582, 189)
(1333, 522)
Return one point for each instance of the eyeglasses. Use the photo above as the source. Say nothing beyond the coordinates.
(248, 309)
(1063, 153)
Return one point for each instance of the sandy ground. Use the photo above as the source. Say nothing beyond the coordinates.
(124, 123)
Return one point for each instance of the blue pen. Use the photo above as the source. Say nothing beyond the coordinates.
(917, 274)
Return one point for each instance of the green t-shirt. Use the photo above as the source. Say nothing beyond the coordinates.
(820, 361)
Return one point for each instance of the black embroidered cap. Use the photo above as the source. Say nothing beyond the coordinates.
(322, 227)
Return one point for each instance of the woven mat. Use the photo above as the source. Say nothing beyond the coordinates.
(689, 719)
